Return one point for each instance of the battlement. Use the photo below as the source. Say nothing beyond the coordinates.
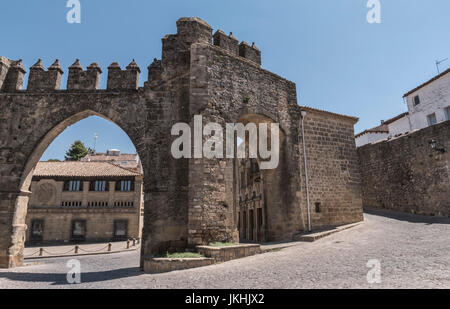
(80, 79)
(119, 79)
(11, 74)
(155, 71)
(41, 80)
(175, 61)
(227, 42)
(251, 53)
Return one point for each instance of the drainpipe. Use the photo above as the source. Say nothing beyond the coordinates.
(303, 114)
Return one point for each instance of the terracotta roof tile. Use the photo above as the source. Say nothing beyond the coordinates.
(81, 169)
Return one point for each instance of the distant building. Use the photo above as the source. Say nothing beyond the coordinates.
(127, 160)
(428, 104)
(84, 201)
(387, 129)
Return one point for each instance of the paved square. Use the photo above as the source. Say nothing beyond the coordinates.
(414, 252)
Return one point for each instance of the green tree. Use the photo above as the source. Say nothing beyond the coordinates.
(76, 152)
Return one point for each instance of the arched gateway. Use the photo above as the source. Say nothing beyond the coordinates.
(187, 201)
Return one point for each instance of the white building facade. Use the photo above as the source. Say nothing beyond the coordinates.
(428, 104)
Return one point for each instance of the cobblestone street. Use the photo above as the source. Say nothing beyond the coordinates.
(414, 252)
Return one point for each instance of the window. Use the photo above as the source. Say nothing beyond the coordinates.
(431, 119)
(78, 232)
(125, 185)
(120, 229)
(99, 185)
(72, 185)
(37, 230)
(447, 113)
(98, 204)
(123, 204)
(416, 100)
(318, 210)
(71, 203)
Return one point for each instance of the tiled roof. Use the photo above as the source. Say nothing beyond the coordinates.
(127, 160)
(380, 129)
(105, 157)
(384, 128)
(355, 119)
(393, 119)
(428, 82)
(81, 169)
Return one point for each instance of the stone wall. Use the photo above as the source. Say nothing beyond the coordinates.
(406, 174)
(99, 223)
(334, 176)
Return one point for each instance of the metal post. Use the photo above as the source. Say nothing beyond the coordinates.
(303, 113)
(41, 251)
(109, 246)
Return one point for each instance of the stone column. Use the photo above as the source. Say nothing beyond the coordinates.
(13, 211)
(111, 193)
(85, 201)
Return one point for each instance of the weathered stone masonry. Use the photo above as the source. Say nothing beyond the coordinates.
(187, 202)
(406, 174)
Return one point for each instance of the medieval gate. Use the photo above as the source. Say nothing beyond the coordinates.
(187, 201)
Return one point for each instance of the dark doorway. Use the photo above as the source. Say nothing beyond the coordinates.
(244, 225)
(259, 220)
(120, 230)
(37, 231)
(78, 232)
(251, 224)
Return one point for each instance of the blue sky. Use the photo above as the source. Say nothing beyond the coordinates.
(339, 62)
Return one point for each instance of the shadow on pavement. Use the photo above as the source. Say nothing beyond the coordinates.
(61, 279)
(401, 216)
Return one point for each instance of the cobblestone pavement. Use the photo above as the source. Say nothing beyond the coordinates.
(414, 252)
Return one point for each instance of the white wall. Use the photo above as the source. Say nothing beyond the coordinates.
(399, 126)
(434, 98)
(370, 138)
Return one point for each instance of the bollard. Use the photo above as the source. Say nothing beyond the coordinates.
(134, 242)
(128, 244)
(109, 246)
(76, 249)
(41, 251)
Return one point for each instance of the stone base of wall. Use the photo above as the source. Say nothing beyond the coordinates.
(223, 254)
(10, 261)
(163, 265)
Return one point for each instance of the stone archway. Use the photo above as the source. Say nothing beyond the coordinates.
(18, 233)
(263, 199)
